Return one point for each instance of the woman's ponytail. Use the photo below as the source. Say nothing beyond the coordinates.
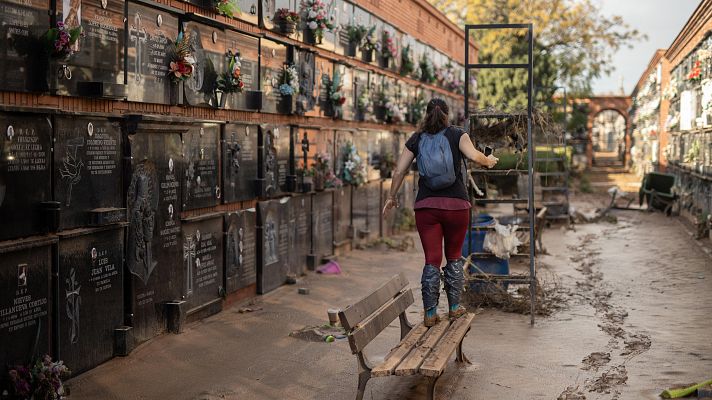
(436, 116)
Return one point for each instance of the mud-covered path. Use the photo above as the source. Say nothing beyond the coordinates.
(637, 320)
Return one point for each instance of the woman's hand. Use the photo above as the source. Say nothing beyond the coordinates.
(390, 203)
(491, 161)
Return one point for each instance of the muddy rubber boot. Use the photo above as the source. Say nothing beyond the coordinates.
(430, 287)
(454, 283)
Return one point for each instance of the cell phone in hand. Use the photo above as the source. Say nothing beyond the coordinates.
(488, 151)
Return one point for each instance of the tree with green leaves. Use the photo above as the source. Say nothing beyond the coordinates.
(574, 43)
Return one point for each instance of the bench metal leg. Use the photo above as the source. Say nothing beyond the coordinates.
(405, 325)
(460, 354)
(431, 387)
(364, 374)
(363, 378)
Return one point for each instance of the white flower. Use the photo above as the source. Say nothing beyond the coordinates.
(312, 14)
(312, 25)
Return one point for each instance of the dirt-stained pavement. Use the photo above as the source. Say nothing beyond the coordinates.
(637, 320)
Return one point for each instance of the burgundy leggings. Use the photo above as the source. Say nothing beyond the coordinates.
(434, 225)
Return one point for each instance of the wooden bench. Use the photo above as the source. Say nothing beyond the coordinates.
(422, 350)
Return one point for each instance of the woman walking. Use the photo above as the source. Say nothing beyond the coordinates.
(442, 204)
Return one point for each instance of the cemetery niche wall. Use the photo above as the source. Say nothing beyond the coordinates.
(201, 183)
(240, 250)
(24, 66)
(239, 161)
(153, 250)
(247, 50)
(25, 176)
(208, 49)
(88, 171)
(272, 244)
(90, 298)
(97, 68)
(274, 58)
(323, 226)
(276, 161)
(308, 92)
(300, 234)
(151, 33)
(203, 263)
(25, 302)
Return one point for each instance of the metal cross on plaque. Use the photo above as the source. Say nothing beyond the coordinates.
(138, 35)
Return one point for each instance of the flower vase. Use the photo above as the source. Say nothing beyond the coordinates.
(286, 27)
(285, 105)
(384, 62)
(329, 110)
(310, 37)
(380, 112)
(367, 56)
(221, 98)
(319, 182)
(307, 183)
(176, 93)
(351, 49)
(359, 116)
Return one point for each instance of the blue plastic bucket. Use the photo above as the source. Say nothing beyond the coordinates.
(476, 237)
(490, 265)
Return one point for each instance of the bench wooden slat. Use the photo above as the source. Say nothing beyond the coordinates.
(362, 309)
(435, 363)
(378, 321)
(399, 352)
(410, 365)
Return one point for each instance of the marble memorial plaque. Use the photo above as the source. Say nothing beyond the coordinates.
(324, 74)
(87, 171)
(361, 96)
(91, 296)
(97, 68)
(342, 138)
(359, 211)
(272, 62)
(269, 7)
(308, 142)
(25, 303)
(249, 11)
(344, 16)
(151, 33)
(202, 261)
(373, 206)
(248, 49)
(276, 161)
(323, 224)
(208, 48)
(23, 23)
(154, 236)
(329, 39)
(347, 91)
(343, 231)
(25, 177)
(239, 162)
(366, 142)
(361, 17)
(272, 244)
(240, 249)
(308, 94)
(300, 233)
(201, 183)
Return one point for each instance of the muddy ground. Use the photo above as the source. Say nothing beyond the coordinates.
(636, 318)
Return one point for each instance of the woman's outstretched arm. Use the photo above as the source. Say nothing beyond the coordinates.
(404, 162)
(469, 150)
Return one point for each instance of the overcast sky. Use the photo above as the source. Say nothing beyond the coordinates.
(661, 20)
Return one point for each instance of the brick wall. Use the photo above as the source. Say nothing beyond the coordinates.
(423, 21)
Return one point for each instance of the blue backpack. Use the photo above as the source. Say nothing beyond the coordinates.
(435, 161)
